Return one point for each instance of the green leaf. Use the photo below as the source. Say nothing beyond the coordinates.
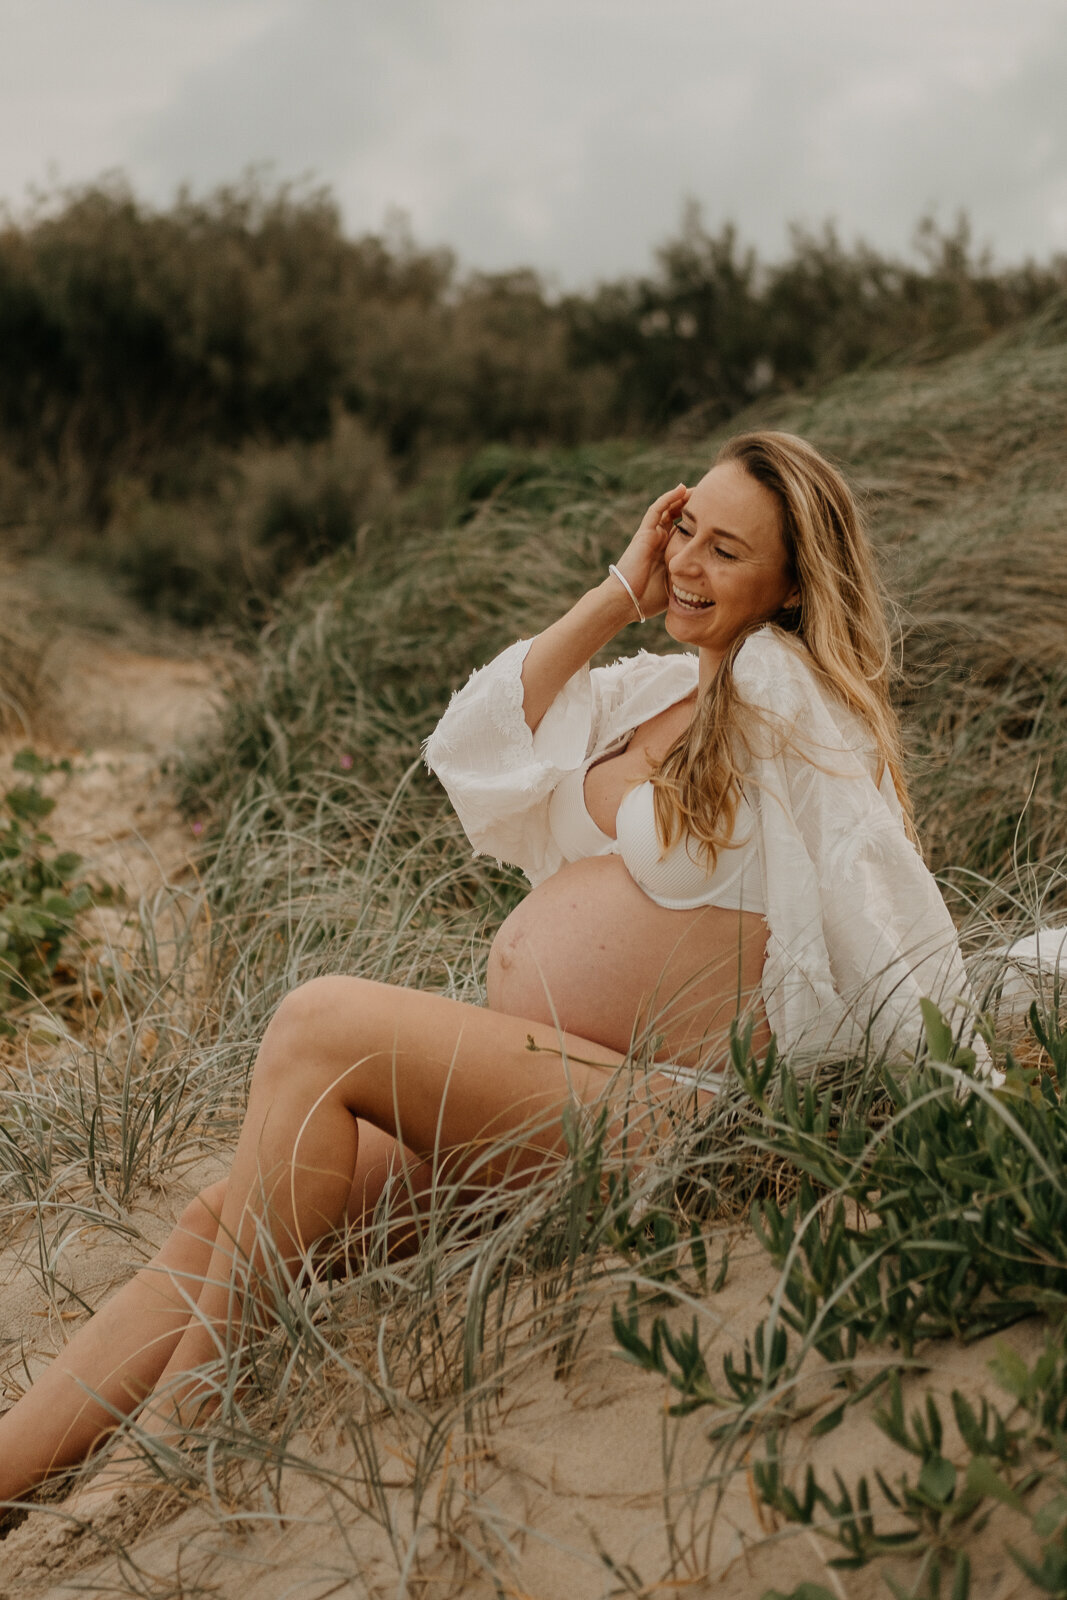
(27, 760)
(699, 1253)
(828, 1423)
(1051, 1517)
(984, 1479)
(28, 804)
(58, 905)
(1050, 1577)
(937, 1479)
(939, 1039)
(961, 1587)
(1011, 1371)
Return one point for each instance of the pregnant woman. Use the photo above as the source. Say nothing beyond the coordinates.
(717, 834)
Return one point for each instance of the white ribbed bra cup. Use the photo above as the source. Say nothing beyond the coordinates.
(679, 879)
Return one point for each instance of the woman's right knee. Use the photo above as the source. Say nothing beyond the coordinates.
(303, 1028)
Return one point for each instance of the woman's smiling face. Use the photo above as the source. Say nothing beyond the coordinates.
(727, 566)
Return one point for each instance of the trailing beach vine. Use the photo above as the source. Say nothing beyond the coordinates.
(42, 889)
(944, 1218)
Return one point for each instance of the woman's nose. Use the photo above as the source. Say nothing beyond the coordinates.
(687, 559)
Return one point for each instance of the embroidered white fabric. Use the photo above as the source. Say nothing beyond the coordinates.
(1035, 969)
(858, 931)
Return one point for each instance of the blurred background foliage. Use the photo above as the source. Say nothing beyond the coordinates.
(961, 469)
(209, 397)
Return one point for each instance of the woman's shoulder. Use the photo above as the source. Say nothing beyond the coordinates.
(774, 669)
(635, 688)
(775, 675)
(649, 661)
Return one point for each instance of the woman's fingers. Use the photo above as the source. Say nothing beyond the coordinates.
(642, 562)
(662, 512)
(658, 521)
(669, 498)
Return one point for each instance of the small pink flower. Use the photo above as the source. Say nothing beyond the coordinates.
(198, 827)
(345, 763)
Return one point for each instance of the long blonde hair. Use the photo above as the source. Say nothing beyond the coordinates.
(840, 620)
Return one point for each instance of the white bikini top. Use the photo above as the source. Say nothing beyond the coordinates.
(678, 879)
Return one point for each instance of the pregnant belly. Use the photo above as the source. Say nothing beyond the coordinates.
(590, 952)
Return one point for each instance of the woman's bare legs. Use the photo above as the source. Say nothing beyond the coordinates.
(446, 1080)
(117, 1355)
(441, 1077)
(115, 1360)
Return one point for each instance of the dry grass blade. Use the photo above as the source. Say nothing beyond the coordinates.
(23, 644)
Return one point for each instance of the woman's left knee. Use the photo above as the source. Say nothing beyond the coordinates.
(322, 1021)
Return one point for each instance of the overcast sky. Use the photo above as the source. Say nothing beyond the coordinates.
(562, 134)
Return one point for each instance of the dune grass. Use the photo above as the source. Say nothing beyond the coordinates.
(23, 645)
(964, 476)
(892, 1213)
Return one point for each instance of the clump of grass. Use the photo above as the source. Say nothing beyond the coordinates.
(942, 1218)
(220, 550)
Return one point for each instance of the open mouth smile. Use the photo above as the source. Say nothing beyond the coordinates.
(689, 601)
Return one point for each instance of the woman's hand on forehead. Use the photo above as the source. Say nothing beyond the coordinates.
(642, 563)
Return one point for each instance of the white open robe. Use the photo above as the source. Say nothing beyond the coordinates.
(857, 929)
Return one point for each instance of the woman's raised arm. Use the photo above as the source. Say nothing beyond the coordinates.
(567, 645)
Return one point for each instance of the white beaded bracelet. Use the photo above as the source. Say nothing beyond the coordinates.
(615, 573)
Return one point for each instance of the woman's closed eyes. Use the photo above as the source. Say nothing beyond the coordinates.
(687, 533)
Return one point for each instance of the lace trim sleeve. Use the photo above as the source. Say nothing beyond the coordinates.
(504, 712)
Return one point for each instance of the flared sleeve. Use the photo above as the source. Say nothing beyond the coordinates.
(858, 930)
(500, 776)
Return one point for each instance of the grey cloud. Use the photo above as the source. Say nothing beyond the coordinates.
(567, 133)
(871, 138)
(320, 83)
